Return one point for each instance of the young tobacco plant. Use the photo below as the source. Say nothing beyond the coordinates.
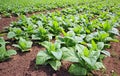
(67, 41)
(54, 28)
(23, 44)
(15, 33)
(84, 60)
(5, 54)
(100, 36)
(41, 34)
(107, 27)
(52, 55)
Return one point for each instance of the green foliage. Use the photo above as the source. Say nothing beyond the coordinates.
(40, 34)
(77, 70)
(23, 44)
(78, 34)
(52, 55)
(17, 8)
(5, 54)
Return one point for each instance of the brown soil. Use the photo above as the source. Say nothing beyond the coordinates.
(6, 21)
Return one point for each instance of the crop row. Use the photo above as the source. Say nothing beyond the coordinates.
(80, 33)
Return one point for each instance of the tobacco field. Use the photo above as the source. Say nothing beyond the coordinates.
(60, 38)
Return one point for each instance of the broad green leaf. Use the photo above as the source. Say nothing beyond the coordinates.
(46, 44)
(69, 55)
(11, 35)
(111, 39)
(55, 64)
(77, 29)
(115, 31)
(105, 52)
(79, 48)
(42, 57)
(4, 54)
(102, 35)
(100, 45)
(78, 39)
(77, 70)
(39, 23)
(93, 56)
(23, 44)
(99, 65)
(11, 52)
(2, 44)
(15, 45)
(70, 33)
(107, 26)
(91, 36)
(29, 44)
(67, 41)
(17, 31)
(57, 54)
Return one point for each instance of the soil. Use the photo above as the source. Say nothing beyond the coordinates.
(23, 64)
(6, 21)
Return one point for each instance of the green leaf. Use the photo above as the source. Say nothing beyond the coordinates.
(107, 26)
(86, 52)
(11, 35)
(100, 45)
(77, 70)
(42, 57)
(46, 44)
(111, 39)
(93, 56)
(79, 48)
(78, 39)
(98, 66)
(15, 45)
(23, 44)
(4, 54)
(55, 64)
(94, 45)
(67, 41)
(70, 33)
(57, 54)
(102, 35)
(69, 55)
(105, 52)
(2, 44)
(11, 52)
(114, 31)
